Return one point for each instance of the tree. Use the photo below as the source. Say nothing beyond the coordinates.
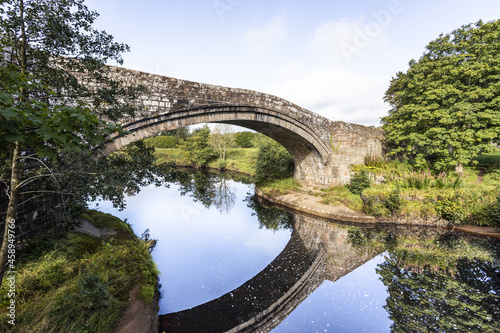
(445, 108)
(198, 151)
(47, 47)
(273, 162)
(221, 139)
(245, 139)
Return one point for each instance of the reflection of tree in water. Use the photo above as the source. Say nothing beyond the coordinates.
(225, 195)
(209, 188)
(431, 299)
(444, 283)
(122, 173)
(269, 217)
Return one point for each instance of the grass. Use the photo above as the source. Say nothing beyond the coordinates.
(340, 195)
(489, 159)
(79, 283)
(465, 198)
(237, 159)
(280, 187)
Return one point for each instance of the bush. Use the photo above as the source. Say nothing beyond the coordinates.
(451, 208)
(147, 293)
(245, 139)
(273, 162)
(92, 292)
(359, 182)
(196, 148)
(162, 141)
(494, 213)
(393, 201)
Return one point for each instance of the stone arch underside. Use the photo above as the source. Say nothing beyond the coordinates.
(310, 153)
(322, 149)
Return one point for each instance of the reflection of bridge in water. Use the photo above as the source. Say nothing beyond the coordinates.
(317, 251)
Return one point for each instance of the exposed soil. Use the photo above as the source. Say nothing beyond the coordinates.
(139, 317)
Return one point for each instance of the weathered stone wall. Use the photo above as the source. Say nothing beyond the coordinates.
(322, 149)
(36, 217)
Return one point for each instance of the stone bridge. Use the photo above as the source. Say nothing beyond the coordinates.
(322, 149)
(317, 251)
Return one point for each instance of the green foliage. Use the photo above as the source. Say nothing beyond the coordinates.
(79, 284)
(393, 202)
(281, 186)
(445, 107)
(80, 246)
(359, 181)
(270, 217)
(32, 123)
(273, 162)
(197, 149)
(490, 159)
(147, 293)
(221, 140)
(341, 195)
(48, 50)
(410, 194)
(375, 206)
(162, 141)
(494, 212)
(438, 283)
(245, 139)
(92, 292)
(451, 208)
(237, 159)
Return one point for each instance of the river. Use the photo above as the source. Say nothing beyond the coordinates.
(228, 260)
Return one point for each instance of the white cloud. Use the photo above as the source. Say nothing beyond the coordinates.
(344, 40)
(267, 38)
(338, 94)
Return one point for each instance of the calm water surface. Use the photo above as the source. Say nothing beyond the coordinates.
(213, 237)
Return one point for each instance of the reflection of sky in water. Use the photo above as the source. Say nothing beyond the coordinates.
(352, 304)
(201, 254)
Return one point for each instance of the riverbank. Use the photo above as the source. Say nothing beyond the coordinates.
(240, 160)
(314, 205)
(96, 277)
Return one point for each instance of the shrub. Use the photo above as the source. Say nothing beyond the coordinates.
(245, 139)
(359, 182)
(494, 213)
(393, 201)
(166, 141)
(147, 293)
(93, 292)
(451, 208)
(273, 162)
(374, 206)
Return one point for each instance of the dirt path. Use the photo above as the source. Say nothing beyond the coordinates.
(139, 317)
(314, 205)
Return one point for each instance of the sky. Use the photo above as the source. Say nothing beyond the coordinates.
(335, 58)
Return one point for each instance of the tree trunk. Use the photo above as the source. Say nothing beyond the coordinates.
(11, 209)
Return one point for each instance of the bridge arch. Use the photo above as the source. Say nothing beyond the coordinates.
(322, 149)
(309, 152)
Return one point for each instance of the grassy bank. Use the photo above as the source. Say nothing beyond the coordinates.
(80, 283)
(394, 191)
(237, 159)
